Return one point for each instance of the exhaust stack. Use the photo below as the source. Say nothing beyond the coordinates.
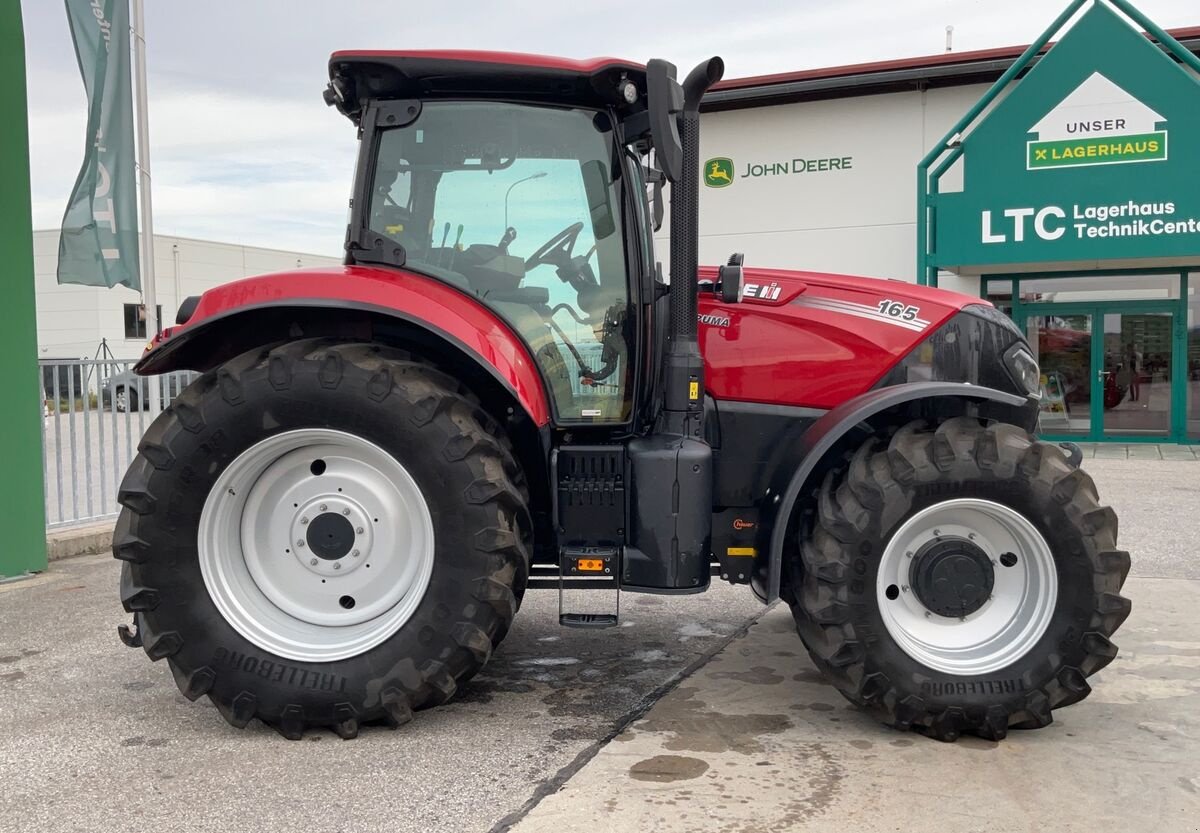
(684, 378)
(669, 532)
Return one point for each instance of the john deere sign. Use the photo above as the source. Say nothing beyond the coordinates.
(719, 171)
(1094, 155)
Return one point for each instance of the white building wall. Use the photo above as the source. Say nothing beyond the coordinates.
(73, 319)
(858, 221)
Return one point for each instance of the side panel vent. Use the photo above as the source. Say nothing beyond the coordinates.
(591, 495)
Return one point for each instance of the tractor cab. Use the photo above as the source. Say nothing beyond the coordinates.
(519, 182)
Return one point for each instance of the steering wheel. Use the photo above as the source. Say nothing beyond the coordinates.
(560, 246)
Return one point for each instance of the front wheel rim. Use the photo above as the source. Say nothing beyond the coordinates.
(316, 545)
(1007, 625)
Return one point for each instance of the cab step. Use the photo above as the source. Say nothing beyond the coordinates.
(592, 569)
(589, 620)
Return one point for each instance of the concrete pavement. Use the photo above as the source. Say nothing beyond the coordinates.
(95, 738)
(756, 741)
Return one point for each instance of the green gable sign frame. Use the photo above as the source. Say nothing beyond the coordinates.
(1093, 156)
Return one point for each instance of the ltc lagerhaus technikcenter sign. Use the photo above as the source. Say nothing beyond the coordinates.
(1095, 155)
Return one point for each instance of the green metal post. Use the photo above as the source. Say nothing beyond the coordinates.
(21, 488)
(926, 268)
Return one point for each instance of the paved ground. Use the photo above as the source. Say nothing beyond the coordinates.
(1140, 451)
(756, 742)
(93, 737)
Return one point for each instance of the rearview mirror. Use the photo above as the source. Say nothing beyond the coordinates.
(730, 278)
(664, 99)
(595, 187)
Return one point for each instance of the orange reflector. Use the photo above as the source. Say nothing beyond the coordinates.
(740, 551)
(591, 565)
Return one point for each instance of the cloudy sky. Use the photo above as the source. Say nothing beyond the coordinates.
(243, 150)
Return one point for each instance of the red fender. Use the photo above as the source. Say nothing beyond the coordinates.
(450, 313)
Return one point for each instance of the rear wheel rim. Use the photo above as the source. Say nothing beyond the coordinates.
(1012, 619)
(316, 545)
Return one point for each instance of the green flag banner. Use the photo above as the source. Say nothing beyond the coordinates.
(99, 244)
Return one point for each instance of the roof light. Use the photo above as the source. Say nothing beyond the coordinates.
(628, 90)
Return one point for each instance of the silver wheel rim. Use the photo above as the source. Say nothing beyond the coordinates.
(322, 597)
(121, 400)
(1007, 625)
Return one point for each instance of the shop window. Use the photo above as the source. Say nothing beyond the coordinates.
(999, 292)
(135, 320)
(1093, 288)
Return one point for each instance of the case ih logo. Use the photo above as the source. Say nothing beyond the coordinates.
(718, 172)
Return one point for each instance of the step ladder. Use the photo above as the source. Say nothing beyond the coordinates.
(594, 571)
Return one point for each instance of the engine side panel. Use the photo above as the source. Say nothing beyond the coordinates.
(813, 340)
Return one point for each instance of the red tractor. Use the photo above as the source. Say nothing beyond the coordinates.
(335, 524)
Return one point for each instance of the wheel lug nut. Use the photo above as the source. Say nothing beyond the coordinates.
(323, 507)
(313, 562)
(337, 566)
(345, 511)
(354, 554)
(359, 530)
(300, 542)
(304, 520)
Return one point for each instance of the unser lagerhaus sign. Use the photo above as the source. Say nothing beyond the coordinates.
(1094, 155)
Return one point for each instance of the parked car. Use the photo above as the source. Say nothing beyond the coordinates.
(127, 391)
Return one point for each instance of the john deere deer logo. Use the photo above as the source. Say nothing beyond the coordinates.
(718, 172)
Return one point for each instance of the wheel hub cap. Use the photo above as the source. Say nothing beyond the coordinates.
(967, 586)
(952, 577)
(316, 544)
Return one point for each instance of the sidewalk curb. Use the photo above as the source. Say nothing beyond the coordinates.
(79, 540)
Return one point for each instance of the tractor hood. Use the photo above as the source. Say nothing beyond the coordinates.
(811, 339)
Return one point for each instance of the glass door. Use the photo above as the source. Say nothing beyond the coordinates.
(1062, 343)
(1107, 369)
(1136, 370)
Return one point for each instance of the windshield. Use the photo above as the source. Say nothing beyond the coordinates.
(518, 205)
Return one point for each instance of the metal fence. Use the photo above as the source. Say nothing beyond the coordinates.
(93, 416)
(94, 413)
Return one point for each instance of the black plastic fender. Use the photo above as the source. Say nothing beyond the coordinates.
(823, 435)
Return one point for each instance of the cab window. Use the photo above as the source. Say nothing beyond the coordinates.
(517, 204)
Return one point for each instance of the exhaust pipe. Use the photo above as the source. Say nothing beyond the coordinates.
(684, 378)
(669, 528)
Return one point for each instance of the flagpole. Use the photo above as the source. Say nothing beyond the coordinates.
(149, 293)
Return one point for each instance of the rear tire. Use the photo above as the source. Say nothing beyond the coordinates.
(1025, 646)
(282, 669)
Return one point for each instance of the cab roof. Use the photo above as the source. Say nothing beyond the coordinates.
(425, 74)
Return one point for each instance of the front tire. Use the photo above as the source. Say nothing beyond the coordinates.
(322, 535)
(960, 580)
(125, 401)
